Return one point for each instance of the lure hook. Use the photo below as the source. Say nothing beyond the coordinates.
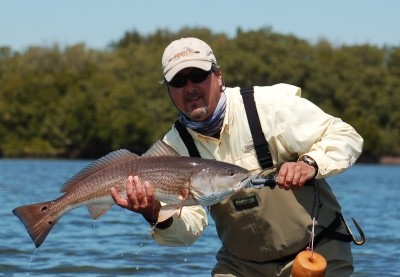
(360, 231)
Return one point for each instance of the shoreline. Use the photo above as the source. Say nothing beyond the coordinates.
(384, 160)
(389, 160)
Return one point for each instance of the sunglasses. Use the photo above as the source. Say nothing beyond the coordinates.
(196, 76)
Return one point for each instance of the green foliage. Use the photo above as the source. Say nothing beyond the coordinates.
(79, 102)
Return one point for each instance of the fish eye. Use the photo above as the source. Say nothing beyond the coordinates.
(230, 172)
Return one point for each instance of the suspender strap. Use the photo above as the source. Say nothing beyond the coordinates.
(260, 143)
(187, 139)
(330, 231)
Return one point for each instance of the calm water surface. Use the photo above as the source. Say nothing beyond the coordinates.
(118, 245)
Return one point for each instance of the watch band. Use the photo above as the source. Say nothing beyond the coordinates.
(310, 161)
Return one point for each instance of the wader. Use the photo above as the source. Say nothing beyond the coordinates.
(246, 220)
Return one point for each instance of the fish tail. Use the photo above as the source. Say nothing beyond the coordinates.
(38, 220)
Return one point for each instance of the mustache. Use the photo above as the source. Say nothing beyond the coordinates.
(192, 95)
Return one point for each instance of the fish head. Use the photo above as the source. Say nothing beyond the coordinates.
(212, 184)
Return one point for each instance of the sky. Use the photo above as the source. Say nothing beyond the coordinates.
(97, 23)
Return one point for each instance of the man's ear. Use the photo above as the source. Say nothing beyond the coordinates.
(220, 80)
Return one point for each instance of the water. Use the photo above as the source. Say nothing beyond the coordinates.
(118, 245)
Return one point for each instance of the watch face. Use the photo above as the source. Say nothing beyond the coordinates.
(310, 161)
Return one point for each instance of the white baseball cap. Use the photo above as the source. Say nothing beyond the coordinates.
(184, 53)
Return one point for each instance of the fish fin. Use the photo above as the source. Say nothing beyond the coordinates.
(108, 160)
(37, 219)
(167, 211)
(160, 149)
(184, 196)
(97, 210)
(180, 211)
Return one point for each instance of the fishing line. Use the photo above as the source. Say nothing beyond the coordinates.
(312, 235)
(317, 204)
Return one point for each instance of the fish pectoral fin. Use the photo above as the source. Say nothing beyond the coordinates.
(180, 210)
(167, 211)
(184, 197)
(97, 210)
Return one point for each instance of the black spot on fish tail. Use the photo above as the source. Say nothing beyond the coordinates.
(37, 219)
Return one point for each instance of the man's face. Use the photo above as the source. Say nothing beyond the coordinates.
(197, 100)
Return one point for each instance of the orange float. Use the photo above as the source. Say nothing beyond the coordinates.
(309, 264)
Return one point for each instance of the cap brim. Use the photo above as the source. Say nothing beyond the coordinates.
(203, 65)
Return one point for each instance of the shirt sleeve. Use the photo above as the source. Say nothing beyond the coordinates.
(186, 227)
(295, 127)
(332, 143)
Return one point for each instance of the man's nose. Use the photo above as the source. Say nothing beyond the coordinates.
(189, 86)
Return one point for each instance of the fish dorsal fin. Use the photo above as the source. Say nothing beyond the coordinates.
(160, 149)
(112, 158)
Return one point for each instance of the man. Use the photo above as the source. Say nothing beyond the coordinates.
(261, 230)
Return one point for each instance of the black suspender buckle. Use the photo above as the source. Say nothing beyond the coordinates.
(264, 156)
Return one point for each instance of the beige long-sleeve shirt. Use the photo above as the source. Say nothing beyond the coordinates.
(293, 126)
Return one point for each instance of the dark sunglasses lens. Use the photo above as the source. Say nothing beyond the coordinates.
(196, 77)
(178, 81)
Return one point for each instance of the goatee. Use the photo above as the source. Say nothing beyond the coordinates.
(199, 113)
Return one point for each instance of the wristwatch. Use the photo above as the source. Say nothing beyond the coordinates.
(310, 161)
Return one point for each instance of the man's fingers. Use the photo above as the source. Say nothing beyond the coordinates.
(114, 194)
(130, 187)
(149, 191)
(139, 195)
(140, 191)
(292, 175)
(280, 180)
(123, 203)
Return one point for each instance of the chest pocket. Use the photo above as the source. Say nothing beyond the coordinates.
(248, 161)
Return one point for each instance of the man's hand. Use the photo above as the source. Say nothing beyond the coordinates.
(140, 198)
(294, 175)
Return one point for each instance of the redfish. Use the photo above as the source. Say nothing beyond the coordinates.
(178, 181)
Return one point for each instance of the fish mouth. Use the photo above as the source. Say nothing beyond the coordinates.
(243, 183)
(215, 197)
(216, 194)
